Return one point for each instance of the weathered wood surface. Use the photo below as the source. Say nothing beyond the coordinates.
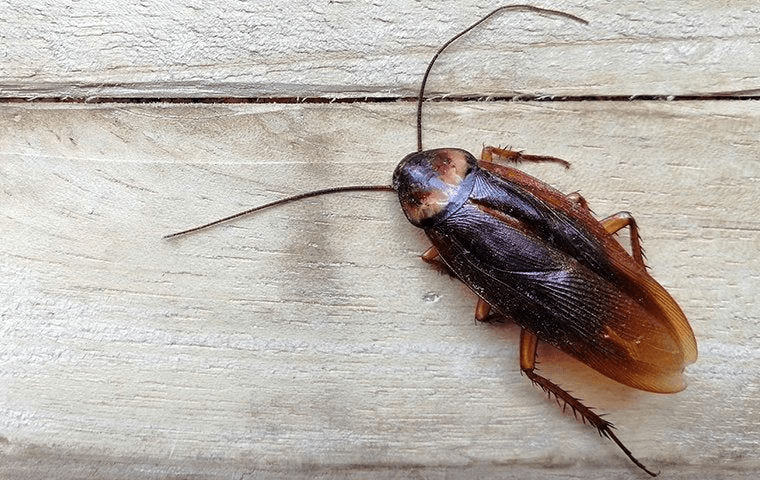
(349, 49)
(311, 338)
(311, 341)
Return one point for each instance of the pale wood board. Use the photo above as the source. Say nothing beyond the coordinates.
(186, 48)
(310, 340)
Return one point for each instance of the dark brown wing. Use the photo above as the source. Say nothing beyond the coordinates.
(621, 262)
(603, 308)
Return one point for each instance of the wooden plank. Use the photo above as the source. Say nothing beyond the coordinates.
(93, 48)
(310, 340)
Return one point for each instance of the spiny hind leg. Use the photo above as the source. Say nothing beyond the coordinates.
(619, 221)
(488, 154)
(528, 345)
(614, 223)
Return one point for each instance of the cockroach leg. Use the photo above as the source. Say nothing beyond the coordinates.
(579, 201)
(484, 314)
(619, 221)
(528, 345)
(482, 311)
(430, 256)
(488, 154)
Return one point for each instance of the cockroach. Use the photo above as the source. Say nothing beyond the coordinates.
(540, 258)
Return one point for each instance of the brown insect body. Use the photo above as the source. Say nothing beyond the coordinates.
(540, 258)
(544, 261)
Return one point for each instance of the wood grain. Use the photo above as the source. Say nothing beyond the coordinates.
(109, 48)
(311, 339)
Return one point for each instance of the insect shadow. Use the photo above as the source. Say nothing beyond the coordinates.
(539, 258)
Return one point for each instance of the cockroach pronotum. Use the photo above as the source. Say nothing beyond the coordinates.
(540, 258)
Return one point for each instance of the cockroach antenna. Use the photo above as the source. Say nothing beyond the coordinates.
(525, 8)
(294, 198)
(420, 100)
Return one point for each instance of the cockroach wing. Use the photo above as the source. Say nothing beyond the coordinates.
(538, 259)
(602, 252)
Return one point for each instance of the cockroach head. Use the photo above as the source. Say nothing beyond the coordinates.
(433, 183)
